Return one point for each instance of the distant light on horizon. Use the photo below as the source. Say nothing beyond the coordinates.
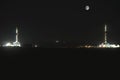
(36, 45)
(57, 41)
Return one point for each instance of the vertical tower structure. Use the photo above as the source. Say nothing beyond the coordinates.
(105, 44)
(16, 34)
(16, 43)
(105, 41)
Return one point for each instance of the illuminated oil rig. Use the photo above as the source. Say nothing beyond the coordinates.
(105, 44)
(14, 44)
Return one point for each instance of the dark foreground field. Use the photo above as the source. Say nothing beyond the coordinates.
(28, 55)
(58, 51)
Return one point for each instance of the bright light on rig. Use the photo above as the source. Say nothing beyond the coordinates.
(14, 44)
(108, 46)
(105, 44)
(8, 44)
(115, 46)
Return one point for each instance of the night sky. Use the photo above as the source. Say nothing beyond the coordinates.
(42, 20)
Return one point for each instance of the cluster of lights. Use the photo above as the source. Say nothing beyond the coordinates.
(8, 44)
(88, 46)
(108, 46)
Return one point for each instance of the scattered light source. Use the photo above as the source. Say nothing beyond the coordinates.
(57, 41)
(36, 46)
(88, 46)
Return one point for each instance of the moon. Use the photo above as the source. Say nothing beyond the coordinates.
(87, 7)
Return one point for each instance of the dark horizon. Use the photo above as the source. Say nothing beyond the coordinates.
(48, 21)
